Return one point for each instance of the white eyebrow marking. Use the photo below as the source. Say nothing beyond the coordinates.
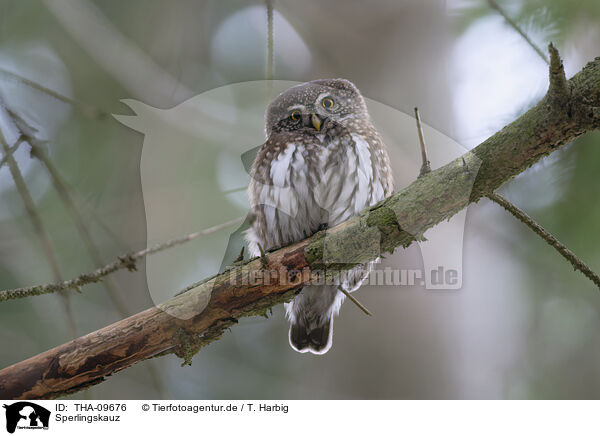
(348, 117)
(322, 95)
(296, 106)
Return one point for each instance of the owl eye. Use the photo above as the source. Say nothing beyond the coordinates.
(327, 102)
(295, 115)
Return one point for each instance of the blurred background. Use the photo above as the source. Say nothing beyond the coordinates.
(522, 325)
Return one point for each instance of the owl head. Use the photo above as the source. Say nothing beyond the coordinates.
(315, 107)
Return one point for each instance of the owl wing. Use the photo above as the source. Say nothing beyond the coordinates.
(273, 201)
(383, 177)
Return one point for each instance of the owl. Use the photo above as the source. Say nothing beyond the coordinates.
(322, 163)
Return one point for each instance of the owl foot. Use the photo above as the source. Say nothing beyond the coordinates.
(323, 226)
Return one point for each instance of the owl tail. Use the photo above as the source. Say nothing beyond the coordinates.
(313, 337)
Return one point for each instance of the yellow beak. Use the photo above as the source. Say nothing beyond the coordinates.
(316, 121)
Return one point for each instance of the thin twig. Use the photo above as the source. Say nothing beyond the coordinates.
(28, 135)
(84, 233)
(231, 191)
(520, 31)
(269, 39)
(11, 150)
(577, 263)
(93, 215)
(82, 202)
(39, 228)
(558, 88)
(38, 151)
(187, 238)
(87, 109)
(127, 261)
(354, 300)
(425, 165)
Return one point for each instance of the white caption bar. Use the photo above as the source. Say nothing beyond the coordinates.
(64, 417)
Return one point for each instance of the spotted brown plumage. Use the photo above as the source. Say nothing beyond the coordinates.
(323, 162)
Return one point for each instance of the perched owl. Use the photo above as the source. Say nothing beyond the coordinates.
(322, 163)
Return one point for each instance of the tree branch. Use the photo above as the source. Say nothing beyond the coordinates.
(126, 261)
(60, 185)
(559, 88)
(494, 5)
(425, 165)
(38, 151)
(40, 230)
(269, 4)
(546, 236)
(196, 317)
(38, 226)
(11, 150)
(88, 110)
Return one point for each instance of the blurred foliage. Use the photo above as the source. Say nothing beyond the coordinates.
(565, 306)
(560, 351)
(557, 18)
